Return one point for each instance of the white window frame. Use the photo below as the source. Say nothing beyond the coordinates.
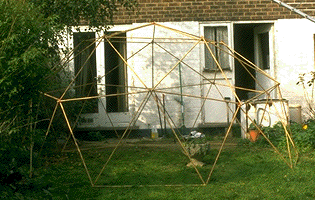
(229, 26)
(268, 28)
(100, 68)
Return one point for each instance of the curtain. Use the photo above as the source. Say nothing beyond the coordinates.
(85, 69)
(217, 34)
(85, 64)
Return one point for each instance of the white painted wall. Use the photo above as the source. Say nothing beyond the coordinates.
(294, 54)
(151, 67)
(214, 109)
(163, 59)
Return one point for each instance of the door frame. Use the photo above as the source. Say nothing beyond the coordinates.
(264, 82)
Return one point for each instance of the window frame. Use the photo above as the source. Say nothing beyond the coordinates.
(80, 91)
(125, 107)
(230, 44)
(269, 30)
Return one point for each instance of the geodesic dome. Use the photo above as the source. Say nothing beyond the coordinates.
(153, 78)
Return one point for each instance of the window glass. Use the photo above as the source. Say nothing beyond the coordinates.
(219, 54)
(115, 74)
(263, 45)
(85, 69)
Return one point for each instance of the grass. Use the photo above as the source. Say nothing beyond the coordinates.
(242, 172)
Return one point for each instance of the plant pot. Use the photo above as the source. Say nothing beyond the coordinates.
(253, 135)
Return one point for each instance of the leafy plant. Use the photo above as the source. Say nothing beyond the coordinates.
(305, 138)
(306, 80)
(98, 13)
(198, 147)
(275, 134)
(254, 126)
(94, 136)
(31, 32)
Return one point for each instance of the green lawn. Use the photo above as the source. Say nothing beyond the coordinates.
(242, 172)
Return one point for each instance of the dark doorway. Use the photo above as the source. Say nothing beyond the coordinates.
(244, 44)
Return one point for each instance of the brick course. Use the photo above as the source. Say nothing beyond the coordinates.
(211, 10)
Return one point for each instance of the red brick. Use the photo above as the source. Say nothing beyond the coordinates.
(208, 10)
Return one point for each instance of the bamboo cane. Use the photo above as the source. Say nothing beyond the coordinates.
(222, 145)
(181, 144)
(76, 143)
(134, 119)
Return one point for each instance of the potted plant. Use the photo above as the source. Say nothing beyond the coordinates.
(253, 131)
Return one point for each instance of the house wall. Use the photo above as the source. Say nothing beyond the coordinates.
(287, 34)
(210, 10)
(294, 55)
(293, 44)
(152, 66)
(155, 66)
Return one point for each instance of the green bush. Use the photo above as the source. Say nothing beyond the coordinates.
(275, 134)
(198, 148)
(304, 139)
(93, 136)
(236, 130)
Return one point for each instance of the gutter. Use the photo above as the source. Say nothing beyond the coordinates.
(295, 10)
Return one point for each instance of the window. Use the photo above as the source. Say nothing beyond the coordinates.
(220, 52)
(263, 49)
(85, 69)
(115, 78)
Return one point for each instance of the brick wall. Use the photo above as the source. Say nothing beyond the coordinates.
(211, 10)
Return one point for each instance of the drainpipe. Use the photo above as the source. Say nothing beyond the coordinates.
(181, 94)
(295, 10)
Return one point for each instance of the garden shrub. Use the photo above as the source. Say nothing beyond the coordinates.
(304, 139)
(30, 64)
(275, 134)
(94, 136)
(15, 154)
(198, 148)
